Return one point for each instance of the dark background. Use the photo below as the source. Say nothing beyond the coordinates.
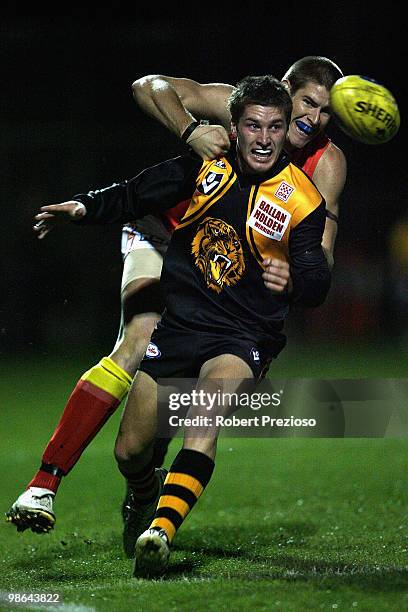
(69, 124)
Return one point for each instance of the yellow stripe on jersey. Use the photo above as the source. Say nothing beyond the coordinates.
(274, 208)
(261, 246)
(308, 197)
(109, 377)
(222, 177)
(249, 233)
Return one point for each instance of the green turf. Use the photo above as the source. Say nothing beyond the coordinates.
(285, 524)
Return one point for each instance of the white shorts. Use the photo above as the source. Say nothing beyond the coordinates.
(142, 255)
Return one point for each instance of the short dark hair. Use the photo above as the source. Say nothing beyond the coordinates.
(264, 90)
(321, 70)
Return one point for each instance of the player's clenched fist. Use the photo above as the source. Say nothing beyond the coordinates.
(57, 214)
(276, 275)
(209, 141)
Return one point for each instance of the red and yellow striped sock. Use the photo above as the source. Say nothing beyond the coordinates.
(188, 476)
(96, 396)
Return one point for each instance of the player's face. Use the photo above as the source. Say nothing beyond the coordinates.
(261, 133)
(310, 114)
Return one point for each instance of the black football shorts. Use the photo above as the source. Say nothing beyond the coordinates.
(174, 352)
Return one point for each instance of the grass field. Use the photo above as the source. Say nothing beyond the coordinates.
(285, 524)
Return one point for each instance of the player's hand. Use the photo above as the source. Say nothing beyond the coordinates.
(57, 214)
(276, 275)
(209, 141)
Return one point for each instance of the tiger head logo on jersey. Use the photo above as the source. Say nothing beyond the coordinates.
(218, 253)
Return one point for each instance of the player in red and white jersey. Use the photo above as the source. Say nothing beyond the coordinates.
(178, 104)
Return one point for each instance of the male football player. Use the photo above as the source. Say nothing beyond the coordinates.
(248, 245)
(177, 102)
(100, 390)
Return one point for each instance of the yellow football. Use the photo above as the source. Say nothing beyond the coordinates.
(364, 109)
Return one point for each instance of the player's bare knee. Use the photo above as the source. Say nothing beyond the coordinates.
(139, 329)
(131, 348)
(129, 448)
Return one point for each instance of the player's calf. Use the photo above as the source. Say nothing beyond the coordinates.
(137, 515)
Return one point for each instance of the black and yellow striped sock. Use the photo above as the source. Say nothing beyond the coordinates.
(188, 476)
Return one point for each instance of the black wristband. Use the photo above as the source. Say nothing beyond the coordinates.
(189, 130)
(332, 216)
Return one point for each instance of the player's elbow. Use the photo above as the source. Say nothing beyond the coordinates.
(318, 297)
(310, 289)
(145, 86)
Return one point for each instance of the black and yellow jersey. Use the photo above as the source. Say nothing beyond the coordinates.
(212, 272)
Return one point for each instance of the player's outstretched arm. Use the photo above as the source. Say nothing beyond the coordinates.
(154, 190)
(177, 102)
(57, 214)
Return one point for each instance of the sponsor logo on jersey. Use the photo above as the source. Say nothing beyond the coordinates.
(152, 351)
(284, 191)
(269, 219)
(210, 182)
(255, 355)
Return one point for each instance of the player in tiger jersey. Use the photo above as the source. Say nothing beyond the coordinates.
(100, 389)
(248, 246)
(254, 216)
(178, 102)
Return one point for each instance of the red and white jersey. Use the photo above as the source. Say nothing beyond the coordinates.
(307, 157)
(171, 218)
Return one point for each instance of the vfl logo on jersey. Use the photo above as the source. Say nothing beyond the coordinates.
(284, 191)
(152, 351)
(210, 182)
(269, 219)
(220, 164)
(218, 253)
